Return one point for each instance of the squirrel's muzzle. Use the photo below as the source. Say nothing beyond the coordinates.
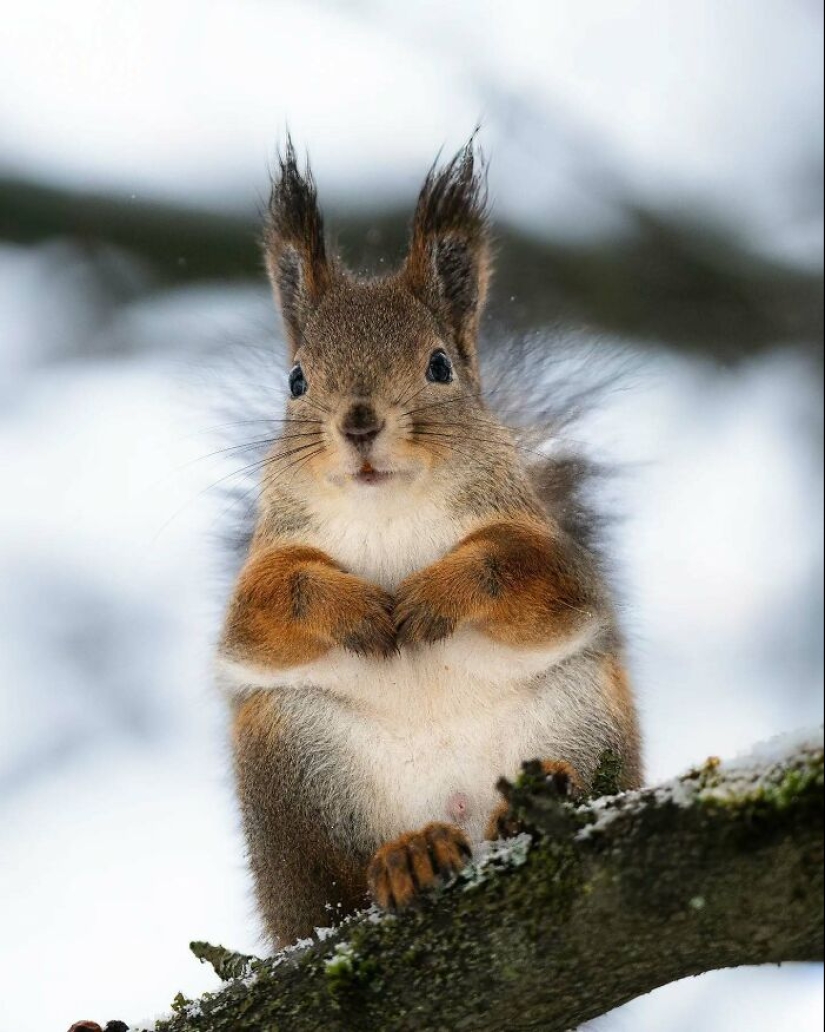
(361, 425)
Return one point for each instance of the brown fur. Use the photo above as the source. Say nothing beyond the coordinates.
(303, 879)
(629, 747)
(291, 605)
(513, 580)
(524, 573)
(450, 238)
(415, 863)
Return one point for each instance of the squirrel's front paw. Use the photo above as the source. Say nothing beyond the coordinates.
(366, 626)
(292, 605)
(416, 862)
(423, 611)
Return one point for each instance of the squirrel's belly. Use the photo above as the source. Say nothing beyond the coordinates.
(429, 737)
(426, 735)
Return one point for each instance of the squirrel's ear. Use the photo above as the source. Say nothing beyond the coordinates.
(294, 248)
(448, 266)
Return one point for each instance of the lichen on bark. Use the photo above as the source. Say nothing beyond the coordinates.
(604, 902)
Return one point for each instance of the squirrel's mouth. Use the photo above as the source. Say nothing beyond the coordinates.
(368, 474)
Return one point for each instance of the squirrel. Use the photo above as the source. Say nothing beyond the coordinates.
(414, 618)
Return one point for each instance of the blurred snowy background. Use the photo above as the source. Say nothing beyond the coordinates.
(657, 178)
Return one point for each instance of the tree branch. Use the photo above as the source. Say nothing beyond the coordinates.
(677, 278)
(720, 868)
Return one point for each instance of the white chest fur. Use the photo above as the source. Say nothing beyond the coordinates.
(425, 735)
(383, 536)
(440, 723)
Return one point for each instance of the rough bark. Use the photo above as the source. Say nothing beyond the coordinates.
(601, 904)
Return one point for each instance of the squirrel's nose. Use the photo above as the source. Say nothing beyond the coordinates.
(361, 425)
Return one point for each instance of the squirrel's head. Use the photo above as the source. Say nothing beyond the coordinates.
(384, 371)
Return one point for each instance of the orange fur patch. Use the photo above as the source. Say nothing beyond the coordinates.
(623, 706)
(255, 715)
(416, 862)
(512, 580)
(292, 605)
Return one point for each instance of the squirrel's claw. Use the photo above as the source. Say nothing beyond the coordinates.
(418, 618)
(402, 870)
(373, 633)
(565, 781)
(422, 625)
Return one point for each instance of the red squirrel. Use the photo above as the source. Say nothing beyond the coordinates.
(414, 618)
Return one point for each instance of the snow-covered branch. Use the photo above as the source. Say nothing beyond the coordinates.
(603, 903)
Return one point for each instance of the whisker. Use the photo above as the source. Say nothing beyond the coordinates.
(267, 479)
(491, 435)
(245, 422)
(469, 421)
(438, 404)
(478, 395)
(516, 444)
(210, 487)
(452, 445)
(412, 397)
(270, 479)
(304, 461)
(517, 433)
(236, 473)
(267, 460)
(273, 471)
(275, 459)
(254, 490)
(251, 444)
(316, 405)
(426, 431)
(511, 440)
(470, 396)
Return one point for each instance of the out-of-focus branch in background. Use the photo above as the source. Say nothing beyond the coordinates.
(682, 281)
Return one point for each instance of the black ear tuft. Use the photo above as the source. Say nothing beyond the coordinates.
(448, 266)
(294, 247)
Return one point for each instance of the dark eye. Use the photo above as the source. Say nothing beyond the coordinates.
(297, 382)
(440, 369)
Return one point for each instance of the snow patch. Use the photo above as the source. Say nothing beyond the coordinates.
(746, 776)
(778, 749)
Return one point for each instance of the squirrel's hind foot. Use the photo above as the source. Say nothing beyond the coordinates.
(504, 823)
(402, 870)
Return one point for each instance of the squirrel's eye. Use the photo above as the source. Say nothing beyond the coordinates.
(297, 382)
(440, 369)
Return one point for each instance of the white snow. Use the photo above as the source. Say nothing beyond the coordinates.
(741, 777)
(116, 819)
(119, 841)
(716, 103)
(117, 816)
(777, 749)
(776, 999)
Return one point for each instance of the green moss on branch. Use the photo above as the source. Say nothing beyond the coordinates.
(720, 868)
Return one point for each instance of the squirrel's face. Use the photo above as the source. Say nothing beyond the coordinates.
(384, 379)
(378, 392)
